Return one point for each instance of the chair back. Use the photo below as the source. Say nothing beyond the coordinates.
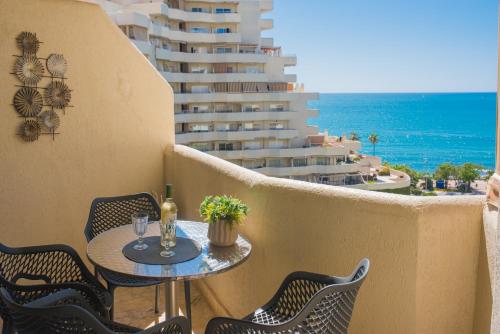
(329, 311)
(54, 319)
(110, 212)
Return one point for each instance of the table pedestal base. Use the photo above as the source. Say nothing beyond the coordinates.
(171, 306)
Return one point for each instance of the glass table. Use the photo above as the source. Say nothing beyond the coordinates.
(105, 251)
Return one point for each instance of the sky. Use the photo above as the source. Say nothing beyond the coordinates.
(390, 45)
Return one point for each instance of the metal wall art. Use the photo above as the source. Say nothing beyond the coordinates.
(57, 65)
(28, 102)
(40, 111)
(29, 69)
(57, 94)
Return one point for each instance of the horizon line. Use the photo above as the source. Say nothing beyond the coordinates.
(414, 92)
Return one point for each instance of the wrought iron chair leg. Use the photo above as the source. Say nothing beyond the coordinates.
(111, 290)
(157, 299)
(187, 296)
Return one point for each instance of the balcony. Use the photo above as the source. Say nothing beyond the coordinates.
(254, 58)
(433, 258)
(280, 152)
(231, 135)
(156, 29)
(234, 116)
(159, 8)
(225, 77)
(182, 98)
(308, 169)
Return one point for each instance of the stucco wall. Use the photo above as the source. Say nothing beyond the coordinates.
(111, 142)
(424, 251)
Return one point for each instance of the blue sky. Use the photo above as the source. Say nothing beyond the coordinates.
(390, 45)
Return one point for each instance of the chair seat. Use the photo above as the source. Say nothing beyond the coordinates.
(124, 280)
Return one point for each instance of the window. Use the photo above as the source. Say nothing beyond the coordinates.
(200, 109)
(301, 162)
(252, 108)
(275, 163)
(197, 10)
(200, 128)
(252, 145)
(222, 10)
(199, 89)
(252, 164)
(225, 146)
(202, 146)
(198, 69)
(323, 161)
(251, 69)
(222, 30)
(276, 126)
(199, 30)
(223, 50)
(277, 107)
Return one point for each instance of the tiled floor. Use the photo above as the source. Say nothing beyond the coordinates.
(135, 307)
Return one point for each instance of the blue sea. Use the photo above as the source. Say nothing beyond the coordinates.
(421, 130)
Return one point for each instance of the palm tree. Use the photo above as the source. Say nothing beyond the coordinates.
(354, 136)
(373, 138)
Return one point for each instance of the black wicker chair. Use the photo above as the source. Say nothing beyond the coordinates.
(44, 270)
(66, 312)
(305, 303)
(110, 212)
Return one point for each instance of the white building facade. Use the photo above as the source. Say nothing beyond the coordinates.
(233, 98)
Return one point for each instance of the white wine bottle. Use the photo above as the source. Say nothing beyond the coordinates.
(168, 223)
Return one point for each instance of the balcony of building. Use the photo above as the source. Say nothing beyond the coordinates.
(434, 262)
(234, 135)
(192, 13)
(212, 77)
(194, 35)
(231, 116)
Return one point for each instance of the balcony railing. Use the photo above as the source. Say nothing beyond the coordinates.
(228, 111)
(232, 130)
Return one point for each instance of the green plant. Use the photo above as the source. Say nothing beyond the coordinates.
(468, 173)
(385, 171)
(354, 136)
(227, 208)
(444, 172)
(373, 138)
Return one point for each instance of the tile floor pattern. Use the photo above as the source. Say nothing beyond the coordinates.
(135, 307)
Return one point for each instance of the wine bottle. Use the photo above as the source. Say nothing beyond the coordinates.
(168, 222)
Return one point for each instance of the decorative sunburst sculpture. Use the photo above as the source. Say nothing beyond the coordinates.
(28, 42)
(49, 120)
(29, 69)
(30, 130)
(57, 94)
(57, 65)
(28, 102)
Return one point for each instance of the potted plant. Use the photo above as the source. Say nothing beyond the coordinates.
(223, 214)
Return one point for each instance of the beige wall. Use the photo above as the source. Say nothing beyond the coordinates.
(111, 142)
(424, 251)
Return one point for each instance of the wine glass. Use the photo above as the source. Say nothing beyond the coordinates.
(140, 225)
(167, 239)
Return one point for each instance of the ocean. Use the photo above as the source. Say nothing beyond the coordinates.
(421, 130)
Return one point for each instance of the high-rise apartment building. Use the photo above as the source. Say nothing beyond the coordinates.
(233, 98)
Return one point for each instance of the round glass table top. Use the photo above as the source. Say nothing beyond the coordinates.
(105, 251)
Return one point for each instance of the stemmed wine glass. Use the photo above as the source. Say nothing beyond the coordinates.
(140, 225)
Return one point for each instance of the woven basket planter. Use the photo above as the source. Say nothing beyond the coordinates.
(222, 233)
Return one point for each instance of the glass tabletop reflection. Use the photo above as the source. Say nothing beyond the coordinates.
(105, 251)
